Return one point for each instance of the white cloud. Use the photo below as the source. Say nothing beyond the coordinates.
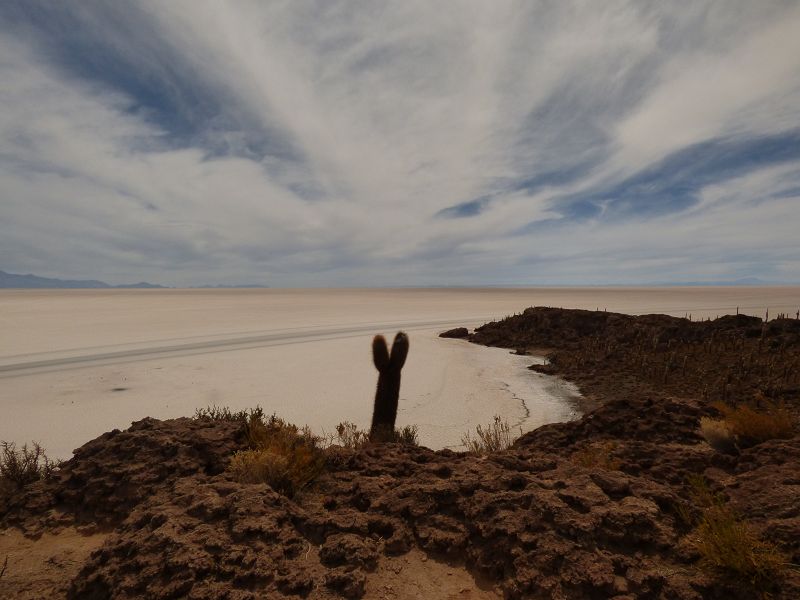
(374, 119)
(749, 86)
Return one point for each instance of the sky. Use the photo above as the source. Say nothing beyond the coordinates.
(297, 143)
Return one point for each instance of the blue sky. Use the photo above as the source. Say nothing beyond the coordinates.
(405, 143)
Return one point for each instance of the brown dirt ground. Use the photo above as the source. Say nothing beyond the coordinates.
(43, 568)
(414, 575)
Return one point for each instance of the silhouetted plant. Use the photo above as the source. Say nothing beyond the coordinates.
(384, 413)
(25, 465)
(223, 413)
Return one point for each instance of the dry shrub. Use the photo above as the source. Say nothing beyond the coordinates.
(286, 471)
(718, 435)
(25, 465)
(598, 455)
(348, 435)
(263, 466)
(728, 545)
(280, 454)
(751, 426)
(223, 413)
(495, 436)
(406, 435)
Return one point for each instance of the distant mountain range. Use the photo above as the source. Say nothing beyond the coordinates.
(743, 281)
(11, 280)
(14, 281)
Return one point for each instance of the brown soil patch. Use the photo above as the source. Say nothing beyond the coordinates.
(43, 568)
(415, 576)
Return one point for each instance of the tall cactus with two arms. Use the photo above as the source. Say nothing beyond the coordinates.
(389, 366)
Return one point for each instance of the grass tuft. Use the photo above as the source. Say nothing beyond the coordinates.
(718, 435)
(492, 438)
(750, 426)
(25, 465)
(728, 545)
(283, 455)
(598, 455)
(406, 435)
(280, 454)
(223, 413)
(348, 435)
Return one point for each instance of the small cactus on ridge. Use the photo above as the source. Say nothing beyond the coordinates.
(389, 366)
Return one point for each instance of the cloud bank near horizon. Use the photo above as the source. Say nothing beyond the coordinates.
(361, 143)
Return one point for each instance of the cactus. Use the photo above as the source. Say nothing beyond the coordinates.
(388, 392)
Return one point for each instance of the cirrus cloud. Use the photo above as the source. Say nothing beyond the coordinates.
(355, 143)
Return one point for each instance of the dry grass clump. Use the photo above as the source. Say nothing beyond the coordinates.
(280, 454)
(718, 435)
(287, 471)
(348, 435)
(25, 465)
(750, 426)
(495, 436)
(259, 466)
(406, 435)
(223, 413)
(598, 455)
(283, 455)
(728, 545)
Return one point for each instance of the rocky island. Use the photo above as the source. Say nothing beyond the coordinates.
(681, 480)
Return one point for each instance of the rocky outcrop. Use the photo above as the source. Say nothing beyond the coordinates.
(597, 508)
(457, 333)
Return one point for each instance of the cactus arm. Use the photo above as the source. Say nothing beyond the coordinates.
(380, 353)
(399, 352)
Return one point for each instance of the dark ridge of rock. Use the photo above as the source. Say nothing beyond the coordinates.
(458, 332)
(614, 356)
(532, 518)
(107, 477)
(559, 328)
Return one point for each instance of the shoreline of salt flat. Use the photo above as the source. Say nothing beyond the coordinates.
(448, 386)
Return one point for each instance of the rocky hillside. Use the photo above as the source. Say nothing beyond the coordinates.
(619, 504)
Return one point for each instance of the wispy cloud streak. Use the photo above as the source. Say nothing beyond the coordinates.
(355, 143)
